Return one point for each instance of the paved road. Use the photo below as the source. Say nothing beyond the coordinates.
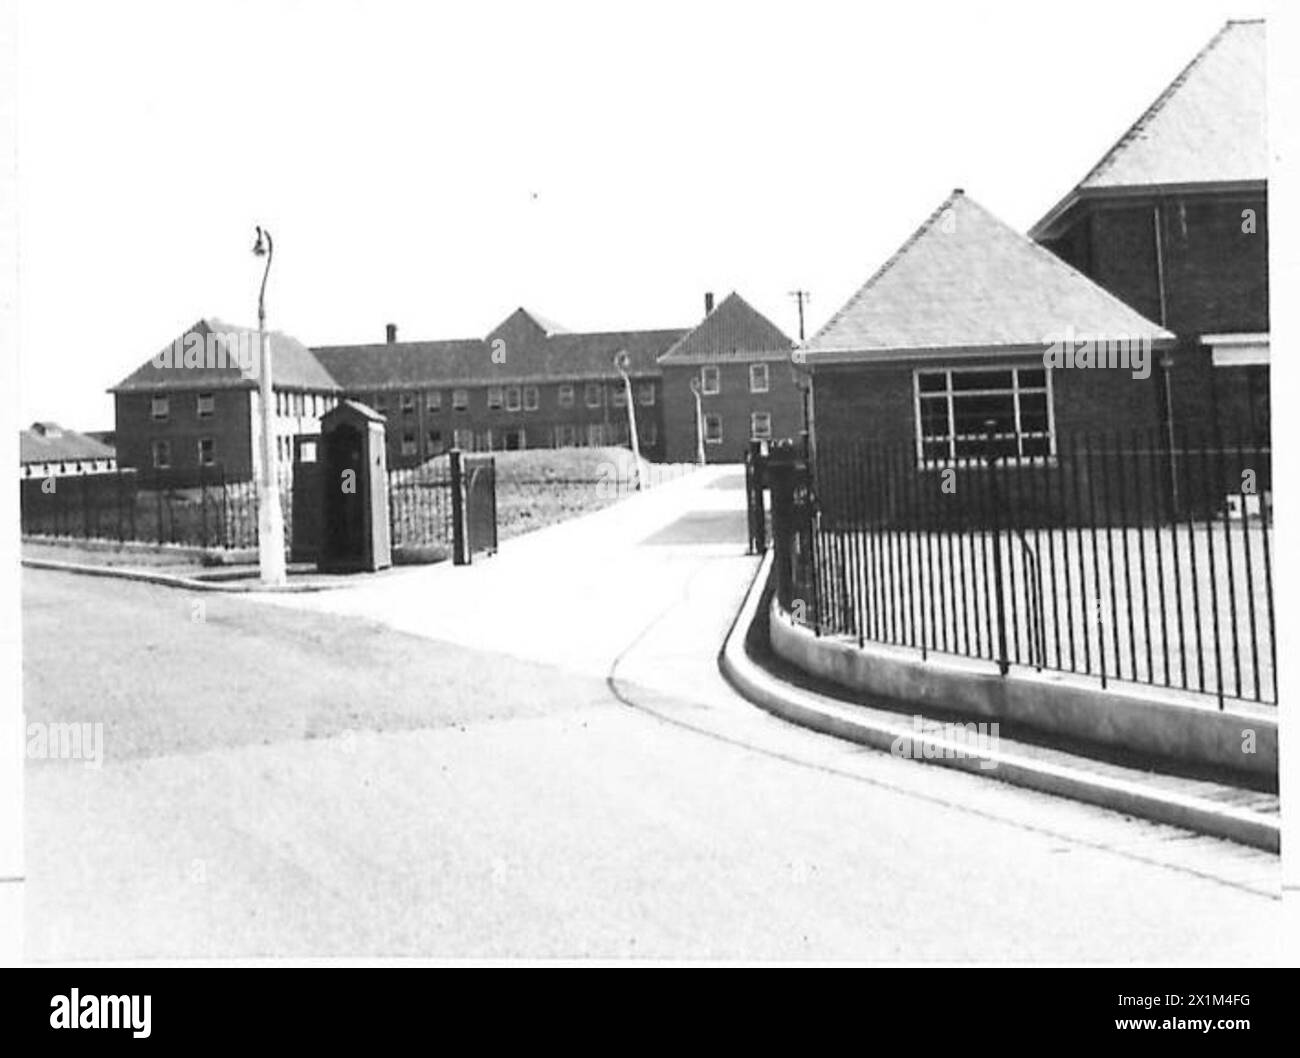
(537, 757)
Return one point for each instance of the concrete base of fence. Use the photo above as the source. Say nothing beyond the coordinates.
(1241, 739)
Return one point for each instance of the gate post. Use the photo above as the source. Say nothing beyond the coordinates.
(755, 484)
(460, 555)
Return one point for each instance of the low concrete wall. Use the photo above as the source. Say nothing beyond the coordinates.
(1151, 723)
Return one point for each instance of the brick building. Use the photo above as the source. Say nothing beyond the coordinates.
(527, 384)
(1174, 221)
(952, 332)
(740, 363)
(188, 414)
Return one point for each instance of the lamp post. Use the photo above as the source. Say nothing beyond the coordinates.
(270, 519)
(699, 421)
(621, 362)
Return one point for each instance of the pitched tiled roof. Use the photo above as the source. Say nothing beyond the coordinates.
(1210, 126)
(48, 442)
(734, 330)
(292, 363)
(526, 354)
(966, 280)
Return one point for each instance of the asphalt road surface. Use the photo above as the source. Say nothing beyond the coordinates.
(283, 780)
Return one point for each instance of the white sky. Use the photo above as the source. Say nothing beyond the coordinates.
(438, 165)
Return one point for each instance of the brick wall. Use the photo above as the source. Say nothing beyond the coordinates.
(229, 427)
(734, 404)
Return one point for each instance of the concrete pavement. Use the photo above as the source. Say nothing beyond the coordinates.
(571, 776)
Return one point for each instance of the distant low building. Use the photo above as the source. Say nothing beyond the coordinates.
(46, 449)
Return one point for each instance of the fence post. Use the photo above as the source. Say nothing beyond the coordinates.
(1004, 663)
(754, 486)
(459, 537)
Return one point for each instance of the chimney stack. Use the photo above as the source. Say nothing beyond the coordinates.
(392, 332)
(708, 302)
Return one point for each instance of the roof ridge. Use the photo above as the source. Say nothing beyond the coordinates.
(1161, 101)
(892, 260)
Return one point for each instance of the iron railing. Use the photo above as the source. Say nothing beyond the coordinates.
(1139, 557)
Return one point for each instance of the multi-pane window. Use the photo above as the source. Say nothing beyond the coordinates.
(513, 399)
(531, 398)
(594, 393)
(566, 396)
(159, 408)
(760, 426)
(207, 452)
(433, 400)
(381, 403)
(973, 414)
(162, 454)
(435, 441)
(595, 434)
(463, 439)
(619, 396)
(710, 380)
(566, 436)
(758, 378)
(713, 429)
(408, 403)
(645, 393)
(483, 441)
(460, 399)
(204, 404)
(494, 397)
(408, 444)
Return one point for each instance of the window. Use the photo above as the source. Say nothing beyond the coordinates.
(162, 454)
(595, 435)
(207, 452)
(971, 414)
(408, 403)
(531, 398)
(566, 396)
(593, 394)
(760, 426)
(433, 400)
(713, 429)
(298, 404)
(757, 378)
(649, 432)
(160, 408)
(494, 397)
(619, 395)
(381, 403)
(483, 441)
(710, 380)
(408, 444)
(645, 393)
(203, 405)
(463, 439)
(460, 399)
(512, 398)
(566, 435)
(435, 442)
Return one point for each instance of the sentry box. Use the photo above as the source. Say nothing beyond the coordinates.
(354, 490)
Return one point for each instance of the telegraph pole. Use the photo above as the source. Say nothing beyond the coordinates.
(802, 297)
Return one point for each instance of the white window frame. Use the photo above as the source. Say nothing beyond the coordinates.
(1016, 390)
(463, 438)
(460, 399)
(157, 402)
(205, 405)
(565, 395)
(712, 417)
(433, 400)
(754, 433)
(198, 447)
(618, 397)
(766, 375)
(645, 394)
(595, 435)
(514, 398)
(165, 446)
(596, 389)
(407, 400)
(410, 445)
(496, 397)
(710, 371)
(532, 398)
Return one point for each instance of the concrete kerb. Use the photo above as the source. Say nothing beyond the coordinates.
(880, 730)
(170, 580)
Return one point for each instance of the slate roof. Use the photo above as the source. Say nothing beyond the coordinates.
(966, 280)
(293, 365)
(528, 353)
(734, 330)
(48, 442)
(1209, 126)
